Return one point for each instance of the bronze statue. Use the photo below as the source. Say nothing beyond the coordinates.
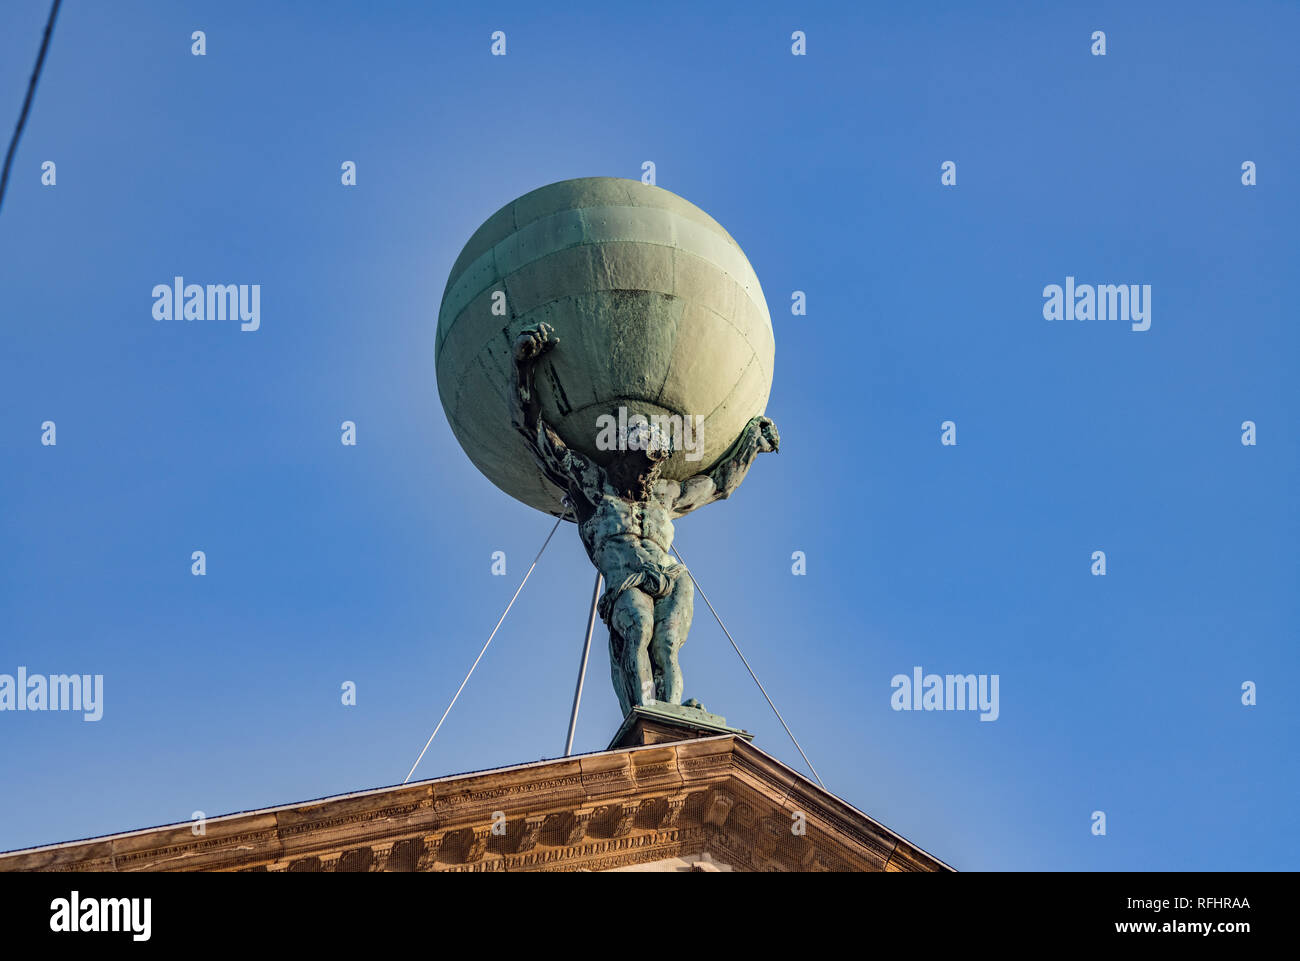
(624, 514)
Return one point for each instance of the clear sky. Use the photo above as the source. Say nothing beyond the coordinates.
(372, 564)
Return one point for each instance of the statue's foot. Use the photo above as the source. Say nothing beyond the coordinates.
(691, 702)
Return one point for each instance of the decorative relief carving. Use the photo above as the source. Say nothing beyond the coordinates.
(577, 826)
(717, 807)
(532, 831)
(621, 824)
(621, 775)
(430, 847)
(98, 864)
(476, 842)
(673, 805)
(646, 772)
(405, 855)
(251, 841)
(703, 765)
(356, 860)
(633, 849)
(355, 817)
(379, 856)
(512, 790)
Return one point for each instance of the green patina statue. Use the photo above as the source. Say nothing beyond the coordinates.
(624, 512)
(668, 344)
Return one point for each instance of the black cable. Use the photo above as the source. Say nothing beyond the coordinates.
(27, 102)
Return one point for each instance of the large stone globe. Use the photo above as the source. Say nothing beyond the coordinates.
(656, 308)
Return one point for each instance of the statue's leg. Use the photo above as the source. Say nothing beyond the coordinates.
(616, 648)
(673, 615)
(633, 618)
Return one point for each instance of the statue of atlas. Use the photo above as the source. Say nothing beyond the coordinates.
(624, 513)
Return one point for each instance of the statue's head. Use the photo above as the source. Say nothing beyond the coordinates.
(635, 469)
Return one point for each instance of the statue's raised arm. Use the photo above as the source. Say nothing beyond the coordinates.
(568, 470)
(719, 482)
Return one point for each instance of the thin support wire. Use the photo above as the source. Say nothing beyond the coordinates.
(748, 668)
(485, 647)
(27, 101)
(582, 668)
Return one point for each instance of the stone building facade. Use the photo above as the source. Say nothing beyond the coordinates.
(662, 800)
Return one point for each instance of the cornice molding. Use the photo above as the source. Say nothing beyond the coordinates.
(592, 812)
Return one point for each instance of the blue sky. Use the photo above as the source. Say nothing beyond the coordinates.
(372, 564)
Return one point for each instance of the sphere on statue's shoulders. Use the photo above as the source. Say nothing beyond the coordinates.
(657, 311)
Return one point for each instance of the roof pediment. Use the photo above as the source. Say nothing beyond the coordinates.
(696, 802)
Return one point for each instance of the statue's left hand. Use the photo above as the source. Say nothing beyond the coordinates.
(534, 341)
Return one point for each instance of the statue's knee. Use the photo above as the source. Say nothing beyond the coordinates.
(665, 654)
(633, 626)
(645, 632)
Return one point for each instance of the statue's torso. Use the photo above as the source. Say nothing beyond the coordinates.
(624, 536)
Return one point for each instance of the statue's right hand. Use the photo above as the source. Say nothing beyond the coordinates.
(768, 438)
(534, 341)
